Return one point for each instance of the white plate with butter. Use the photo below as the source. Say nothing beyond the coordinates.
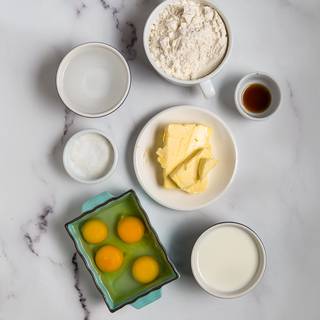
(150, 174)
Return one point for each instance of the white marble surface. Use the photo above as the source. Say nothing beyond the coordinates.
(275, 190)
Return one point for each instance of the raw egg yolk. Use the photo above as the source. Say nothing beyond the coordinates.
(145, 269)
(109, 258)
(130, 229)
(94, 231)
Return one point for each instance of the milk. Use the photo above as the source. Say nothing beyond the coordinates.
(227, 259)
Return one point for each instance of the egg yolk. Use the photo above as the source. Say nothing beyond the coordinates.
(109, 258)
(94, 231)
(145, 269)
(130, 229)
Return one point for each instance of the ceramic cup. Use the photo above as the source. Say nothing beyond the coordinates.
(93, 79)
(205, 82)
(267, 81)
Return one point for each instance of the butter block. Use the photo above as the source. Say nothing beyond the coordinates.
(199, 187)
(205, 166)
(180, 141)
(186, 174)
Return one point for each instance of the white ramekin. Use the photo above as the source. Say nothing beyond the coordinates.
(260, 78)
(113, 151)
(88, 96)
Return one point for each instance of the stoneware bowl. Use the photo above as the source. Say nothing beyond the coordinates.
(267, 81)
(118, 288)
(93, 80)
(205, 82)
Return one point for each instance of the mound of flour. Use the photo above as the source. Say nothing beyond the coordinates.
(189, 40)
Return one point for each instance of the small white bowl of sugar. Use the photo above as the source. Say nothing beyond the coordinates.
(89, 156)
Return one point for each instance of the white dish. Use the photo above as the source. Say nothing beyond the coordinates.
(146, 167)
(269, 83)
(228, 260)
(205, 82)
(112, 158)
(93, 79)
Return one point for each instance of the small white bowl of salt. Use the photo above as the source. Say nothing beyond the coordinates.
(89, 156)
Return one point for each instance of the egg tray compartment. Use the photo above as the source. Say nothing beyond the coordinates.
(120, 288)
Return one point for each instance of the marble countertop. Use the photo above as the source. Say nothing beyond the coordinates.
(275, 190)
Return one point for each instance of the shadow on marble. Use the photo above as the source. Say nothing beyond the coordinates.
(56, 160)
(225, 94)
(130, 24)
(56, 155)
(182, 241)
(46, 76)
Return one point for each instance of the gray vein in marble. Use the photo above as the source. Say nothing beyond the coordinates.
(34, 228)
(293, 104)
(130, 41)
(3, 251)
(54, 262)
(80, 9)
(104, 4)
(115, 11)
(43, 218)
(127, 30)
(40, 177)
(81, 297)
(300, 10)
(68, 122)
(4, 255)
(29, 241)
(297, 116)
(41, 225)
(10, 296)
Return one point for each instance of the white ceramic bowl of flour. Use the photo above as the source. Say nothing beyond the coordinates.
(228, 260)
(205, 82)
(93, 79)
(89, 156)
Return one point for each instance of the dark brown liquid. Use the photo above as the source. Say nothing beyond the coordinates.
(256, 98)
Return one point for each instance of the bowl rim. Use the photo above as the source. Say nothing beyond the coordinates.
(103, 177)
(158, 199)
(59, 82)
(146, 31)
(262, 260)
(176, 273)
(241, 85)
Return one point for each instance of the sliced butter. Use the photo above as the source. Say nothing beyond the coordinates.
(186, 175)
(205, 166)
(180, 141)
(199, 187)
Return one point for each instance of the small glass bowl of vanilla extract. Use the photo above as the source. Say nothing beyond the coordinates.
(257, 96)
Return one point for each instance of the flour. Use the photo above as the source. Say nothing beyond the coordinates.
(189, 40)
